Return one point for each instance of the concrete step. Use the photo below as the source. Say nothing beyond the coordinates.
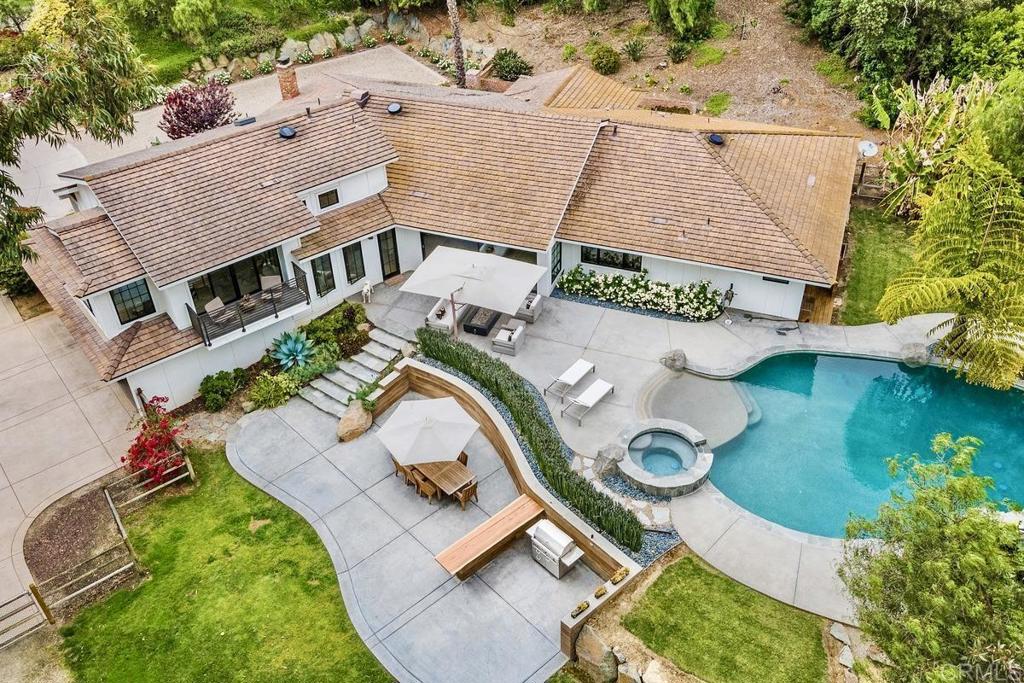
(332, 389)
(322, 401)
(379, 334)
(382, 351)
(358, 370)
(344, 380)
(370, 361)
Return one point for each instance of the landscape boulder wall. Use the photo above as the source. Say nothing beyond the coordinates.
(321, 42)
(396, 23)
(354, 422)
(595, 656)
(293, 48)
(350, 38)
(367, 28)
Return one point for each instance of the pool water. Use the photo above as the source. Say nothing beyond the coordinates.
(662, 453)
(829, 423)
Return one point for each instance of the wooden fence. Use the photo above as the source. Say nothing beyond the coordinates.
(132, 489)
(19, 617)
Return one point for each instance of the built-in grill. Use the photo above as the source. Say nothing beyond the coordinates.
(552, 548)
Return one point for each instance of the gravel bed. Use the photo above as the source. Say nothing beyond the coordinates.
(559, 293)
(622, 487)
(655, 543)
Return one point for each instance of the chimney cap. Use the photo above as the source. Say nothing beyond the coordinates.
(361, 97)
(284, 61)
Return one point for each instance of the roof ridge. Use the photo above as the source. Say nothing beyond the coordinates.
(564, 83)
(124, 340)
(765, 208)
(579, 177)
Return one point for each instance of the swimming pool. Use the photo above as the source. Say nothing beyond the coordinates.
(827, 425)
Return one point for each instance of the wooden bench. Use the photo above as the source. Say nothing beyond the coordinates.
(471, 552)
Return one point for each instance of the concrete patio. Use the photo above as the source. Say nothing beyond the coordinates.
(500, 625)
(60, 428)
(796, 568)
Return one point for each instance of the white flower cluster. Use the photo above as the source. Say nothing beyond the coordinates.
(694, 300)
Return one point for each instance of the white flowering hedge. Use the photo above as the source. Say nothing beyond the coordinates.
(694, 300)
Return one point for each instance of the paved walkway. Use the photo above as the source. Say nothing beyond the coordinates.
(796, 568)
(501, 625)
(40, 163)
(60, 427)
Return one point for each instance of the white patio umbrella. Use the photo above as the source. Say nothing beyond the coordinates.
(486, 280)
(431, 430)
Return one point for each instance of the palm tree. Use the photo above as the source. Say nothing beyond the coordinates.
(460, 60)
(969, 260)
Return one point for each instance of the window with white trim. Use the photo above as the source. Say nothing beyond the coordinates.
(132, 301)
(326, 200)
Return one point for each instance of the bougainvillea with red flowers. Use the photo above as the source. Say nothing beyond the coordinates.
(155, 450)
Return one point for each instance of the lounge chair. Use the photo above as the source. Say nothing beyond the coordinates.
(466, 493)
(531, 307)
(590, 397)
(217, 311)
(509, 337)
(564, 383)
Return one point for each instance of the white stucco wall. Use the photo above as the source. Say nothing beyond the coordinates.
(753, 293)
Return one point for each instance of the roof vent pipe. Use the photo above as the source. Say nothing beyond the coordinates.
(362, 97)
(716, 139)
(394, 108)
(286, 132)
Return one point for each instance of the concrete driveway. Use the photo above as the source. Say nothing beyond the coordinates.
(60, 428)
(499, 626)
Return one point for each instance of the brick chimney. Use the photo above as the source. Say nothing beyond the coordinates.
(287, 79)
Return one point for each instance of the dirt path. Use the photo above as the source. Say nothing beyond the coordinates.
(770, 73)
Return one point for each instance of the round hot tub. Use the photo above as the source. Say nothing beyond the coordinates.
(664, 457)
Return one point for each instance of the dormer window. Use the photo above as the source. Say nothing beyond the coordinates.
(132, 301)
(328, 199)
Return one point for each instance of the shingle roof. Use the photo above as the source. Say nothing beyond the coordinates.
(485, 174)
(229, 195)
(345, 225)
(665, 192)
(141, 344)
(101, 257)
(586, 89)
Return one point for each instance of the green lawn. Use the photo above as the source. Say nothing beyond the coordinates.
(880, 250)
(724, 632)
(241, 590)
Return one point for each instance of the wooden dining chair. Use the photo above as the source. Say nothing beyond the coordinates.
(464, 458)
(425, 488)
(402, 471)
(466, 493)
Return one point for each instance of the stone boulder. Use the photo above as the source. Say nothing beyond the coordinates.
(266, 56)
(321, 42)
(915, 355)
(846, 657)
(839, 632)
(222, 61)
(207, 64)
(674, 360)
(350, 38)
(368, 27)
(415, 31)
(596, 657)
(656, 673)
(607, 460)
(354, 422)
(293, 48)
(234, 68)
(408, 350)
(250, 63)
(396, 23)
(628, 674)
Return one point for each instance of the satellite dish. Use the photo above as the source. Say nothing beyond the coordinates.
(867, 148)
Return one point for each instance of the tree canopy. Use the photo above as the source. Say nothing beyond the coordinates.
(86, 76)
(936, 576)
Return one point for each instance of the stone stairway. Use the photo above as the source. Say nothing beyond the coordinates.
(330, 392)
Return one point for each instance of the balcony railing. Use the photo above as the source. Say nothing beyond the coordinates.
(250, 309)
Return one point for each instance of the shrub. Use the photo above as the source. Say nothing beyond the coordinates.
(324, 359)
(217, 389)
(271, 391)
(562, 6)
(568, 52)
(244, 34)
(695, 300)
(340, 319)
(154, 446)
(247, 73)
(351, 343)
(592, 6)
(508, 65)
(292, 349)
(220, 78)
(192, 109)
(265, 67)
(369, 41)
(604, 59)
(541, 438)
(304, 57)
(835, 71)
(326, 53)
(634, 49)
(688, 19)
(14, 281)
(679, 50)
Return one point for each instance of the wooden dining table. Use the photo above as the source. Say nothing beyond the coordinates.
(449, 476)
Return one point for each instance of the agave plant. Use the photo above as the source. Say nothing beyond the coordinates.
(292, 349)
